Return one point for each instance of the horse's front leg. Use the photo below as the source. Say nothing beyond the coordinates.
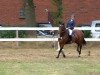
(59, 52)
(59, 40)
(60, 47)
(63, 53)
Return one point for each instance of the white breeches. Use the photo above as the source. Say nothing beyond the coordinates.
(70, 31)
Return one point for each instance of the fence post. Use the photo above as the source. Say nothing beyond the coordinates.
(53, 40)
(17, 43)
(58, 43)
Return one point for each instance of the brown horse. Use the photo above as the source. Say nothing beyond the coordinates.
(77, 37)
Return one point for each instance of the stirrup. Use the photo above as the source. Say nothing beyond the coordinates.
(70, 36)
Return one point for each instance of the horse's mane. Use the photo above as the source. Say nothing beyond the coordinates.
(63, 31)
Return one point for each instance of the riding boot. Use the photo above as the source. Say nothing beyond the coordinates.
(70, 36)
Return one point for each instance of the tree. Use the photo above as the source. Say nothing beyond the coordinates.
(30, 13)
(29, 10)
(57, 16)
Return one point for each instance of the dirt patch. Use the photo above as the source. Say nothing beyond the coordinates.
(41, 45)
(28, 45)
(44, 50)
(34, 54)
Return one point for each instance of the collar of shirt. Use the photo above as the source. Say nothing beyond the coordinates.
(71, 20)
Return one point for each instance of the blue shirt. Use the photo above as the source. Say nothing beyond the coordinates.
(71, 24)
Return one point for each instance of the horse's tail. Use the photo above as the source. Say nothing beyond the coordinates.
(84, 42)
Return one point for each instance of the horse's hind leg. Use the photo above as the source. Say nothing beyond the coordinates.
(79, 47)
(79, 50)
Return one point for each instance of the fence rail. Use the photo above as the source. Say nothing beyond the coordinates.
(41, 28)
(42, 39)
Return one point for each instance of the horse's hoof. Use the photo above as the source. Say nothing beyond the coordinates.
(57, 57)
(64, 56)
(79, 56)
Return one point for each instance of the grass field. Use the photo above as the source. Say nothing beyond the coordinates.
(24, 61)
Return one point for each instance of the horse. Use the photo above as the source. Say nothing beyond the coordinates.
(77, 37)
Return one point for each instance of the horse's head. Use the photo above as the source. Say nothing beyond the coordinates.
(62, 30)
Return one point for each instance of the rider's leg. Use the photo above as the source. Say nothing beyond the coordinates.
(70, 31)
(70, 34)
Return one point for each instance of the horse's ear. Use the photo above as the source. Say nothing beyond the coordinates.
(60, 22)
(63, 24)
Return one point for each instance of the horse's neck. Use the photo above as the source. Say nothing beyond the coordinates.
(65, 33)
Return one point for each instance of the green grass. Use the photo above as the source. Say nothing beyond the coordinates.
(70, 66)
(43, 62)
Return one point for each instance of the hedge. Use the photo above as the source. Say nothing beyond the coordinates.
(12, 34)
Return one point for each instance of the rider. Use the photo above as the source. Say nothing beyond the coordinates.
(71, 25)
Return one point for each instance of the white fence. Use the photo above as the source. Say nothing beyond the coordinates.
(41, 28)
(41, 39)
